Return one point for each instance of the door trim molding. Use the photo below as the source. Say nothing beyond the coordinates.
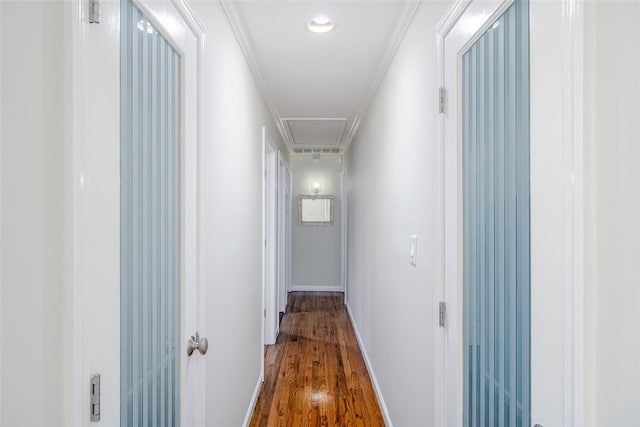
(283, 190)
(78, 411)
(0, 213)
(451, 17)
(289, 254)
(344, 242)
(567, 105)
(270, 172)
(573, 77)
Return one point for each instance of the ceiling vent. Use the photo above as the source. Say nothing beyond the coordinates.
(317, 151)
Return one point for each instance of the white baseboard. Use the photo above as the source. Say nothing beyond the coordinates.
(254, 400)
(316, 288)
(376, 387)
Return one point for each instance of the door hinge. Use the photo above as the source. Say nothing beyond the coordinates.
(94, 11)
(94, 409)
(442, 314)
(441, 99)
(265, 312)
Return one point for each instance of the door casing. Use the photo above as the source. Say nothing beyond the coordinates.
(270, 238)
(284, 190)
(344, 233)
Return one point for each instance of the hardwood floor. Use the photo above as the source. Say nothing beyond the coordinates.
(315, 374)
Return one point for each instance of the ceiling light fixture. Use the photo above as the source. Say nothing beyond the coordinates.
(320, 24)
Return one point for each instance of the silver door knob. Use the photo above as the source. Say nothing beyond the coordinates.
(197, 343)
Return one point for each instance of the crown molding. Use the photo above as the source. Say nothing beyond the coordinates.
(248, 51)
(399, 33)
(347, 137)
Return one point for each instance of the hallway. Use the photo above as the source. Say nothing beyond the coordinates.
(176, 173)
(315, 374)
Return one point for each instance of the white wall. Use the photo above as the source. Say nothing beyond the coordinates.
(232, 222)
(391, 166)
(34, 215)
(317, 259)
(35, 370)
(612, 199)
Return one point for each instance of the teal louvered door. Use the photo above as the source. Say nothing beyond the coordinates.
(150, 224)
(496, 223)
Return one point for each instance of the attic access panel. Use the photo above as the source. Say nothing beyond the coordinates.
(317, 132)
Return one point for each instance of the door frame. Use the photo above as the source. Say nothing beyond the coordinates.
(284, 192)
(270, 240)
(0, 211)
(556, 130)
(82, 177)
(344, 233)
(289, 234)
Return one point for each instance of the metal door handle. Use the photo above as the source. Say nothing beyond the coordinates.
(197, 343)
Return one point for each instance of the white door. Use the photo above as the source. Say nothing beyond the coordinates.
(283, 215)
(344, 234)
(108, 331)
(289, 233)
(555, 343)
(480, 254)
(270, 254)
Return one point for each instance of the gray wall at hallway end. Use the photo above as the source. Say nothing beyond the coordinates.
(317, 254)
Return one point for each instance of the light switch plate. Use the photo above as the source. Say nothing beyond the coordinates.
(413, 250)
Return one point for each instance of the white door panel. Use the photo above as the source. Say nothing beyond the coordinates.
(97, 212)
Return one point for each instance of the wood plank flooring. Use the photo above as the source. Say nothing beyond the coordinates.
(315, 374)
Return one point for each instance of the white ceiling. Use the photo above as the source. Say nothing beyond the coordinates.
(318, 85)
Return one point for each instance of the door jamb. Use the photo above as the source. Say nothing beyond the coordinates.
(0, 212)
(344, 231)
(289, 237)
(269, 232)
(284, 189)
(567, 39)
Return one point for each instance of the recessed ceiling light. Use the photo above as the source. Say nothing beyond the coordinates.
(320, 24)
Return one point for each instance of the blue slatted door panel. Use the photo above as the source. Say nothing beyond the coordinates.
(497, 224)
(150, 240)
